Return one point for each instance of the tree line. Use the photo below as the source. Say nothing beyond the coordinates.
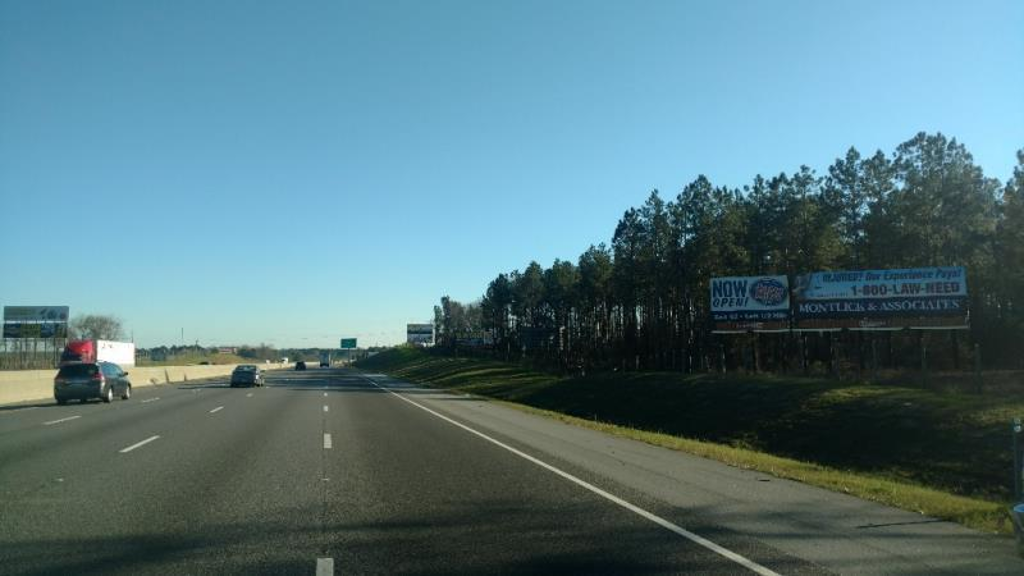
(642, 301)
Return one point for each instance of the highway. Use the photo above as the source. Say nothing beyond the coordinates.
(332, 471)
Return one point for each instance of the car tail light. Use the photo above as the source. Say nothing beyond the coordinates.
(59, 381)
(97, 377)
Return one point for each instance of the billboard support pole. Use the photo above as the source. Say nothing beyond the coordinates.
(831, 354)
(1016, 430)
(977, 369)
(956, 349)
(924, 358)
(757, 353)
(874, 358)
(801, 345)
(860, 356)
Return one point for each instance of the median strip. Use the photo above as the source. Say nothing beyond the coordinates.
(139, 444)
(52, 422)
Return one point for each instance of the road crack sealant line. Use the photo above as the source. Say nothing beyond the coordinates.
(695, 538)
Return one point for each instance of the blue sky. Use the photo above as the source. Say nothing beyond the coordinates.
(296, 172)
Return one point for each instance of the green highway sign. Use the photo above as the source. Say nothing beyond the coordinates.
(348, 343)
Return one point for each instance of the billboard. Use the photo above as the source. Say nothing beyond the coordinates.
(35, 330)
(348, 343)
(475, 339)
(35, 313)
(750, 303)
(881, 299)
(419, 333)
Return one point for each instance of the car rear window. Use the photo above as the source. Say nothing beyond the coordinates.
(78, 370)
(246, 368)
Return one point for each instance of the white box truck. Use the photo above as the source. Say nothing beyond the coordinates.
(120, 353)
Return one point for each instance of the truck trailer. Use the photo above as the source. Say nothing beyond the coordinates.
(120, 353)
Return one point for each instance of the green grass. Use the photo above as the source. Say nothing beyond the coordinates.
(942, 454)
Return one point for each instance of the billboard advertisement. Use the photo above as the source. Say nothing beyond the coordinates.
(419, 333)
(881, 299)
(750, 303)
(35, 313)
(35, 330)
(475, 339)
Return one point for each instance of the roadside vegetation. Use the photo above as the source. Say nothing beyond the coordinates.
(198, 358)
(943, 454)
(642, 302)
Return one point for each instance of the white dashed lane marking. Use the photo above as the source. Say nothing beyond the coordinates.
(52, 422)
(139, 444)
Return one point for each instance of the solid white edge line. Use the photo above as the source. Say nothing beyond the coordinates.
(327, 441)
(325, 567)
(217, 409)
(138, 444)
(52, 422)
(696, 539)
(16, 410)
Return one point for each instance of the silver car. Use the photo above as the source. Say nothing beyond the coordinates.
(85, 380)
(247, 375)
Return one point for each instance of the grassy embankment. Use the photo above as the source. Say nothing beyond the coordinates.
(941, 454)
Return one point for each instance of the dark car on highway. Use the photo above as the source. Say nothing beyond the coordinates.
(85, 380)
(300, 365)
(247, 375)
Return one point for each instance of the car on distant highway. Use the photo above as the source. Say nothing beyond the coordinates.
(85, 380)
(300, 365)
(247, 375)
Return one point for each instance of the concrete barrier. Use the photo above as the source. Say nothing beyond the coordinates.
(26, 385)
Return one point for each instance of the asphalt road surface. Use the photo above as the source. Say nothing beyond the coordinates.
(330, 471)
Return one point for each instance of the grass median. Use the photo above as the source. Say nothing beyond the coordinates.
(945, 455)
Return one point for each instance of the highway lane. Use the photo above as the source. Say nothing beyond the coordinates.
(329, 469)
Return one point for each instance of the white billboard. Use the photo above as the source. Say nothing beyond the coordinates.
(419, 333)
(933, 297)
